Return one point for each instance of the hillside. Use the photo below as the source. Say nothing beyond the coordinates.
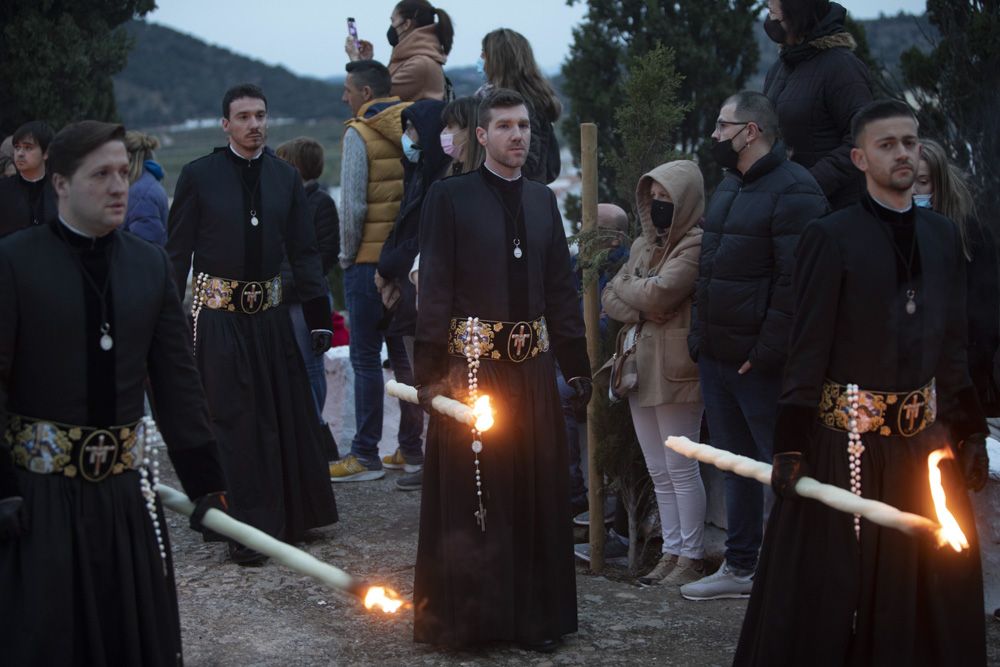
(172, 77)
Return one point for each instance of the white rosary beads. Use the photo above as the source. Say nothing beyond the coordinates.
(855, 448)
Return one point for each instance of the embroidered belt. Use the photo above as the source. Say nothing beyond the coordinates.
(237, 296)
(500, 341)
(50, 448)
(887, 413)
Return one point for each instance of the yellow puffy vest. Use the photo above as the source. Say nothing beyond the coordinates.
(382, 134)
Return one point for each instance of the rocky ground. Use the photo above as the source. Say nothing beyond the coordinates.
(268, 616)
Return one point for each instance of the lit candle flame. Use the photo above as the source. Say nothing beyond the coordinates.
(950, 532)
(484, 413)
(386, 599)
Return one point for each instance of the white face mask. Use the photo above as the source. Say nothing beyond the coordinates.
(923, 201)
(410, 149)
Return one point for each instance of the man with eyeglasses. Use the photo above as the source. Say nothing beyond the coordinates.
(742, 312)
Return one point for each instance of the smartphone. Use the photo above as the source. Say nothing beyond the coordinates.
(352, 30)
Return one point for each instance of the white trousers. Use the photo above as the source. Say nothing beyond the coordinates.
(680, 495)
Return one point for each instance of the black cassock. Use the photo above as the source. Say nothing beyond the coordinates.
(822, 596)
(516, 581)
(86, 585)
(259, 397)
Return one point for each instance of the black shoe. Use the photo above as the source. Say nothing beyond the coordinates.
(412, 482)
(245, 556)
(541, 646)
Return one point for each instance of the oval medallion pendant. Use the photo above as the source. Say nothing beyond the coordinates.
(517, 253)
(254, 221)
(107, 342)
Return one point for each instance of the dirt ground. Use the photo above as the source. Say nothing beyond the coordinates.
(268, 616)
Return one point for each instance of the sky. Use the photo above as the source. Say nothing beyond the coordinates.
(307, 36)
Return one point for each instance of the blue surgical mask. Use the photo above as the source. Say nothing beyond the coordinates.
(481, 67)
(410, 149)
(923, 201)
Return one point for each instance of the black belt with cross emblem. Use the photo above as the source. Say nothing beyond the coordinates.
(904, 413)
(237, 296)
(92, 453)
(502, 341)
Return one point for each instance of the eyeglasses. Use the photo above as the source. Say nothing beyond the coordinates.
(719, 124)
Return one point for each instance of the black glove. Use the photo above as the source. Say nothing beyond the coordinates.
(13, 518)
(427, 392)
(786, 470)
(209, 501)
(582, 389)
(321, 340)
(974, 461)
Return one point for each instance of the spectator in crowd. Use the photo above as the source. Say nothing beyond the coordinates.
(28, 198)
(458, 138)
(420, 48)
(817, 85)
(7, 167)
(306, 155)
(942, 187)
(651, 295)
(742, 312)
(510, 63)
(371, 189)
(147, 200)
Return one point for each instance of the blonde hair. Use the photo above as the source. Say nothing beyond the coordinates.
(510, 63)
(140, 148)
(951, 196)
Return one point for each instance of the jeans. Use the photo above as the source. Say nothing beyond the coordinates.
(680, 495)
(577, 486)
(313, 362)
(364, 305)
(741, 411)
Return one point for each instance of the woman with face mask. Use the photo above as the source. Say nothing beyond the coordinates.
(817, 85)
(421, 38)
(941, 186)
(651, 295)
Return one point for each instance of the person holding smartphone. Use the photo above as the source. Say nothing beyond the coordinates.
(421, 37)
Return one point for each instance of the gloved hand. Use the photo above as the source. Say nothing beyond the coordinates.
(582, 388)
(426, 394)
(786, 470)
(13, 518)
(209, 501)
(974, 461)
(321, 340)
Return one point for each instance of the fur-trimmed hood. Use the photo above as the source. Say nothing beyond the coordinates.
(829, 33)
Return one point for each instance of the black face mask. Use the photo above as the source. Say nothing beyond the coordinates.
(775, 30)
(392, 36)
(724, 154)
(662, 214)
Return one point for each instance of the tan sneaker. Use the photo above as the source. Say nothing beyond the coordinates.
(686, 571)
(396, 461)
(350, 469)
(655, 576)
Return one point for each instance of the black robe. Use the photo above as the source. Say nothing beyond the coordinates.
(24, 203)
(820, 596)
(259, 397)
(86, 585)
(515, 581)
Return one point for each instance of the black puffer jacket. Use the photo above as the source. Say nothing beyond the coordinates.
(743, 298)
(817, 87)
(324, 215)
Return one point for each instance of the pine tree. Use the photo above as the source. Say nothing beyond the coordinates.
(57, 58)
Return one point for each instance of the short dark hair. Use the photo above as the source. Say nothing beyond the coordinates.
(38, 130)
(373, 74)
(879, 110)
(801, 16)
(305, 154)
(241, 90)
(498, 98)
(755, 107)
(76, 141)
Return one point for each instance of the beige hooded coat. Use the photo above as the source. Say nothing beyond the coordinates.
(658, 280)
(416, 66)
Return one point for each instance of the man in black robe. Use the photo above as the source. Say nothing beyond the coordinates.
(87, 314)
(880, 304)
(493, 247)
(239, 210)
(27, 198)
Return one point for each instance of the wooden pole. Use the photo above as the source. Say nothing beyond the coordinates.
(591, 316)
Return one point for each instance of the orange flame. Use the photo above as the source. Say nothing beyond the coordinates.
(484, 413)
(950, 532)
(386, 599)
